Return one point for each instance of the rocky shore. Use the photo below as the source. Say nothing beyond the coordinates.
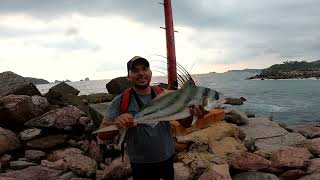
(50, 137)
(295, 74)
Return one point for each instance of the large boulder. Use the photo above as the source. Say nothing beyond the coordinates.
(314, 166)
(227, 147)
(8, 141)
(290, 158)
(58, 118)
(215, 132)
(12, 83)
(81, 164)
(249, 161)
(307, 131)
(313, 145)
(118, 85)
(266, 146)
(17, 109)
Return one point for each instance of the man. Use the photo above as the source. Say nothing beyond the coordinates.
(151, 149)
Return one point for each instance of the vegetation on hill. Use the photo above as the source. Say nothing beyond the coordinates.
(290, 70)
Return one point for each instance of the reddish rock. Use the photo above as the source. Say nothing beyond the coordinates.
(313, 145)
(181, 171)
(95, 152)
(290, 157)
(313, 166)
(57, 165)
(58, 118)
(34, 154)
(217, 172)
(81, 164)
(47, 142)
(249, 161)
(118, 169)
(62, 153)
(15, 110)
(307, 131)
(33, 172)
(8, 141)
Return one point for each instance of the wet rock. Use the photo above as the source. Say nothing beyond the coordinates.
(33, 172)
(236, 117)
(47, 142)
(181, 171)
(215, 132)
(62, 153)
(313, 145)
(254, 176)
(81, 164)
(20, 164)
(12, 83)
(315, 176)
(95, 152)
(217, 172)
(58, 118)
(307, 131)
(227, 146)
(34, 155)
(57, 165)
(8, 141)
(290, 158)
(266, 146)
(234, 101)
(313, 166)
(29, 134)
(118, 85)
(118, 169)
(249, 161)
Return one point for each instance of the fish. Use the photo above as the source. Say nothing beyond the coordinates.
(173, 105)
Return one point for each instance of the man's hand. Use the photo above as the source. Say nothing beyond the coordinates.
(198, 111)
(125, 121)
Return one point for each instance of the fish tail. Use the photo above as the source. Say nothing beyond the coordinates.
(122, 136)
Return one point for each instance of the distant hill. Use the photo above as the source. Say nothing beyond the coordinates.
(290, 70)
(37, 81)
(247, 70)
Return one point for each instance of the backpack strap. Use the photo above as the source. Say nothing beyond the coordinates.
(158, 89)
(125, 100)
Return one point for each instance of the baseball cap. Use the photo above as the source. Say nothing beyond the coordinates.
(135, 60)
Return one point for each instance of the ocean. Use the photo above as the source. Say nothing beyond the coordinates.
(287, 101)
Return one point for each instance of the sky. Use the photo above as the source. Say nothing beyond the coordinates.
(75, 39)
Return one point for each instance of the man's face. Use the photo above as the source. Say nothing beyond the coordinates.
(140, 76)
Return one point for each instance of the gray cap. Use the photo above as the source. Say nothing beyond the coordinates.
(135, 60)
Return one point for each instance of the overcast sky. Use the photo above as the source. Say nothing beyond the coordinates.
(75, 39)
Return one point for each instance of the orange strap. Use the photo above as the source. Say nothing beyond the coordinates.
(126, 96)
